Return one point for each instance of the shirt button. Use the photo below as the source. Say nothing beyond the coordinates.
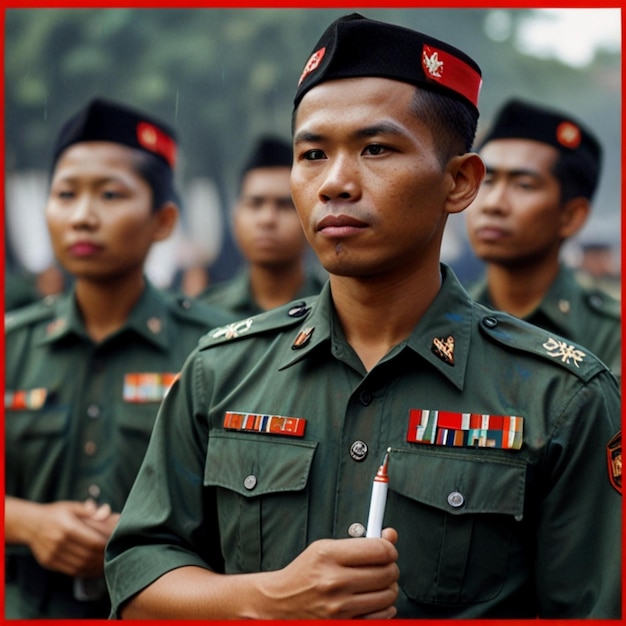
(356, 530)
(358, 450)
(365, 397)
(93, 491)
(155, 325)
(564, 306)
(90, 448)
(93, 411)
(250, 482)
(456, 499)
(490, 322)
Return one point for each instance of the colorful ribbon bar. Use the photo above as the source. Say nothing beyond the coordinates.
(21, 400)
(271, 424)
(444, 428)
(147, 386)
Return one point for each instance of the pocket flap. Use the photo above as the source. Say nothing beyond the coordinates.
(459, 483)
(251, 466)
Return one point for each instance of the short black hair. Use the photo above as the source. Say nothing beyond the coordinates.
(159, 176)
(453, 122)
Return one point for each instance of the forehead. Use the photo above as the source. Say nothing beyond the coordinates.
(347, 98)
(91, 155)
(519, 154)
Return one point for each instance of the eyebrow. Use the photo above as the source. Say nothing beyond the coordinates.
(513, 172)
(383, 128)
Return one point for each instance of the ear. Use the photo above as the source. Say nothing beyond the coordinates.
(574, 214)
(467, 172)
(166, 219)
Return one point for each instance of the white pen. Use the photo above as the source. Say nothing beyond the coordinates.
(378, 501)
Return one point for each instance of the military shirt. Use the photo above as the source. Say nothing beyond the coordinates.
(586, 315)
(235, 295)
(78, 415)
(273, 434)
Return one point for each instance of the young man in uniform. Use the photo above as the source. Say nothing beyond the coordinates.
(86, 371)
(254, 496)
(269, 235)
(542, 170)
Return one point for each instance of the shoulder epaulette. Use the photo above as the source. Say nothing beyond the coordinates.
(272, 320)
(603, 303)
(191, 309)
(31, 313)
(520, 335)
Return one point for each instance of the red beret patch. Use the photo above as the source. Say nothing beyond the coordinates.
(312, 64)
(568, 135)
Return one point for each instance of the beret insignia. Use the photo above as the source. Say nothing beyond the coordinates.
(312, 64)
(568, 135)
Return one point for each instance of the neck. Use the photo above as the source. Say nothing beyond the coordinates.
(519, 290)
(106, 305)
(274, 286)
(377, 314)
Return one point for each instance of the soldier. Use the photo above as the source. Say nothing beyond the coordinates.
(269, 235)
(254, 496)
(85, 371)
(542, 170)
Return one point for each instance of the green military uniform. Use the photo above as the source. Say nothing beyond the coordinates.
(79, 416)
(272, 437)
(583, 315)
(235, 295)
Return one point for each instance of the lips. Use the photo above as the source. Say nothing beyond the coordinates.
(490, 233)
(340, 226)
(84, 248)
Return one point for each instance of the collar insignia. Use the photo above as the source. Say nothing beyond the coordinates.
(444, 349)
(303, 338)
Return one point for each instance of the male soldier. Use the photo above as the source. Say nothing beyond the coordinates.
(86, 371)
(542, 170)
(269, 235)
(254, 495)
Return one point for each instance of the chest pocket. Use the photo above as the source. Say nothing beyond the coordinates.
(458, 516)
(262, 498)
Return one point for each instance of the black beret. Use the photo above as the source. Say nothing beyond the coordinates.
(522, 120)
(269, 152)
(102, 120)
(355, 46)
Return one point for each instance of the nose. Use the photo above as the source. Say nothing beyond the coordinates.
(83, 213)
(340, 180)
(493, 197)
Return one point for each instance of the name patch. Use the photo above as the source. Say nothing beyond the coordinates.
(269, 424)
(470, 430)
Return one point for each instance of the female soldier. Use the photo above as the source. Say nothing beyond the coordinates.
(86, 371)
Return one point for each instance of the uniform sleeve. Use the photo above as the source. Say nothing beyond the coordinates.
(578, 571)
(166, 522)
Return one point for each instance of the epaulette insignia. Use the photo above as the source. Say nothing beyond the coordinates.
(21, 400)
(445, 428)
(147, 386)
(614, 457)
(232, 330)
(270, 424)
(564, 351)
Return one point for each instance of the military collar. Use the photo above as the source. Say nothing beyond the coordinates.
(558, 309)
(148, 319)
(449, 316)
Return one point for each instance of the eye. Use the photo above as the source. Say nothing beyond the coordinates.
(313, 155)
(375, 149)
(64, 194)
(110, 194)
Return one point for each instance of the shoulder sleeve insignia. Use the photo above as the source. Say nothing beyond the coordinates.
(564, 351)
(614, 457)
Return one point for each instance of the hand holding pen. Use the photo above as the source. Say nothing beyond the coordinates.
(378, 500)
